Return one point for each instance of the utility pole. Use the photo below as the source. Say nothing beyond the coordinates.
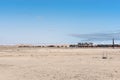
(113, 41)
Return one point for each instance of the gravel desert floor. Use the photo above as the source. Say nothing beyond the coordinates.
(59, 64)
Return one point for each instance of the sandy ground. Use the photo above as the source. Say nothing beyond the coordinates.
(59, 64)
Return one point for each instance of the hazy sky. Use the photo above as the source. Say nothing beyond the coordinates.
(52, 21)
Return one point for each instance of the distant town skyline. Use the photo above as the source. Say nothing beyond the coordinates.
(52, 21)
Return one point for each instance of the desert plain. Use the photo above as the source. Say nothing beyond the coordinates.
(59, 63)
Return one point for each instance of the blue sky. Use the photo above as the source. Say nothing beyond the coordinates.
(52, 21)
